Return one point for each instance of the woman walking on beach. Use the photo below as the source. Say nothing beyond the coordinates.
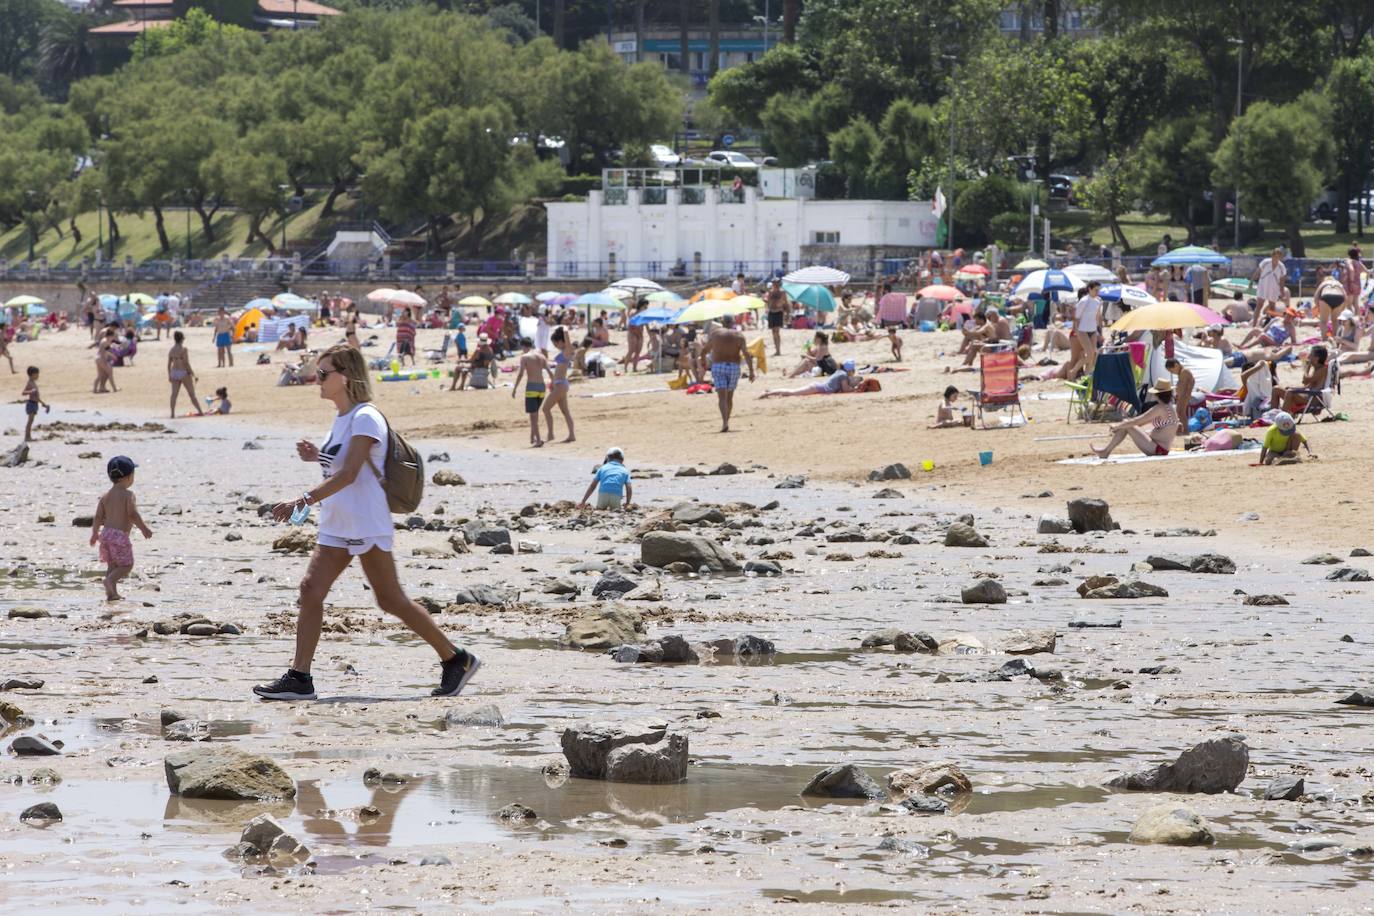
(354, 521)
(558, 387)
(104, 363)
(179, 373)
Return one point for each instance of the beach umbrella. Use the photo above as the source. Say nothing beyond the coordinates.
(1046, 281)
(36, 311)
(125, 309)
(616, 292)
(1162, 316)
(406, 299)
(382, 294)
(939, 291)
(472, 301)
(975, 270)
(813, 296)
(547, 295)
(967, 274)
(752, 303)
(664, 295)
(291, 301)
(513, 299)
(713, 292)
(636, 285)
(108, 301)
(825, 276)
(657, 314)
(1190, 254)
(598, 300)
(562, 299)
(1230, 286)
(1086, 272)
(1207, 314)
(21, 301)
(711, 309)
(1134, 296)
(1031, 264)
(141, 299)
(259, 303)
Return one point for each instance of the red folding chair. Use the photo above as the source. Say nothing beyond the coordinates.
(1000, 385)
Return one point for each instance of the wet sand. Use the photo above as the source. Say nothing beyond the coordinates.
(1040, 833)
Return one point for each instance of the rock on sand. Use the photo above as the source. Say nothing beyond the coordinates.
(227, 774)
(1172, 825)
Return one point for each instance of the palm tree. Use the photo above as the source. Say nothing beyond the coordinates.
(790, 10)
(65, 50)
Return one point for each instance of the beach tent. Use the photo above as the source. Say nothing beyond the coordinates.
(250, 318)
(1207, 364)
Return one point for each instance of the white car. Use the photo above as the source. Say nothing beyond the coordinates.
(664, 155)
(731, 159)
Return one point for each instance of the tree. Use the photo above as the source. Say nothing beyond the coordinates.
(853, 148)
(21, 34)
(196, 28)
(977, 203)
(1174, 168)
(906, 139)
(744, 91)
(1349, 95)
(790, 10)
(512, 19)
(66, 50)
(1110, 192)
(1278, 155)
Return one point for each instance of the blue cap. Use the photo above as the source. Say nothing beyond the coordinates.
(120, 466)
(848, 365)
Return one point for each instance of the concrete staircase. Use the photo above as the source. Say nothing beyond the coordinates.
(233, 290)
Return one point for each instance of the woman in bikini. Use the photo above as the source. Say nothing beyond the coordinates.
(558, 387)
(104, 363)
(1161, 420)
(180, 375)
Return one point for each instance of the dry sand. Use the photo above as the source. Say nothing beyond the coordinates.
(1038, 834)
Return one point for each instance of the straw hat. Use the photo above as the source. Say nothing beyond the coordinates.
(1162, 385)
(1285, 422)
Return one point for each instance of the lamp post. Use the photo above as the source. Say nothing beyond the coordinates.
(99, 224)
(1240, 77)
(29, 196)
(949, 198)
(283, 188)
(188, 223)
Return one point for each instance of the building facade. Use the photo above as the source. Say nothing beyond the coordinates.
(664, 45)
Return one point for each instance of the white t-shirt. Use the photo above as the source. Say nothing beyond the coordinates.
(359, 510)
(1085, 314)
(737, 286)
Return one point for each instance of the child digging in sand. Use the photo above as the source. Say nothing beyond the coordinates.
(115, 515)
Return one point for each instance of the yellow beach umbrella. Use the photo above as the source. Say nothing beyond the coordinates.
(711, 309)
(1162, 316)
(713, 292)
(21, 301)
(1031, 264)
(474, 301)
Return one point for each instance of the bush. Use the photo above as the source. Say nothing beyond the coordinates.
(977, 203)
(830, 182)
(1011, 230)
(579, 185)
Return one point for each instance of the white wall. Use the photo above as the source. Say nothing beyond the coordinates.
(582, 234)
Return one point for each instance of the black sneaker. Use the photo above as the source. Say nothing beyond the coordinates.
(457, 671)
(290, 686)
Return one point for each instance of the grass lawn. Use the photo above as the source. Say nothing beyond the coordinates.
(1144, 233)
(138, 235)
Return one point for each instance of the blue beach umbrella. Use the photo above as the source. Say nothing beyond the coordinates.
(1190, 254)
(658, 314)
(598, 300)
(813, 296)
(1046, 282)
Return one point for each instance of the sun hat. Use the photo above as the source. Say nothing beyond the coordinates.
(848, 365)
(1161, 385)
(1347, 315)
(1285, 422)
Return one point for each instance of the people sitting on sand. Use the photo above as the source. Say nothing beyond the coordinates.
(994, 330)
(1258, 381)
(841, 381)
(1280, 329)
(1348, 332)
(1314, 379)
(947, 415)
(816, 358)
(483, 362)
(1161, 420)
(1282, 441)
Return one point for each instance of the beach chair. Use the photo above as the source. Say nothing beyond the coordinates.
(1319, 403)
(1080, 396)
(1115, 382)
(383, 361)
(441, 354)
(999, 384)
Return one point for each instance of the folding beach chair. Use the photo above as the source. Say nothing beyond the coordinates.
(441, 354)
(1319, 402)
(1000, 385)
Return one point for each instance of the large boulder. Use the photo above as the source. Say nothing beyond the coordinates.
(665, 762)
(603, 629)
(941, 776)
(225, 773)
(695, 514)
(659, 548)
(1172, 825)
(1050, 524)
(960, 534)
(271, 841)
(984, 591)
(844, 781)
(588, 746)
(1090, 515)
(1216, 765)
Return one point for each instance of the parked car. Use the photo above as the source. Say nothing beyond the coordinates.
(1061, 187)
(664, 155)
(1363, 202)
(731, 159)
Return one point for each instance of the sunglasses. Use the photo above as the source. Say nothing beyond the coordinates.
(323, 374)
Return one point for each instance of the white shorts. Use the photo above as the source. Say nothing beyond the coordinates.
(606, 500)
(355, 546)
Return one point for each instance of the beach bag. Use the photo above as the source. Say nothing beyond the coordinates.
(402, 475)
(869, 385)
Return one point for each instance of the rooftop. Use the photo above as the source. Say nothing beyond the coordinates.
(131, 27)
(296, 7)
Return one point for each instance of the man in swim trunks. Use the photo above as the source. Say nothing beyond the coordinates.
(224, 338)
(777, 313)
(726, 348)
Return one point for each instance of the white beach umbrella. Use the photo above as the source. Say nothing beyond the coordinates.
(824, 276)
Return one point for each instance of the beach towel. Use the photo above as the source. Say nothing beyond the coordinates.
(759, 351)
(1172, 456)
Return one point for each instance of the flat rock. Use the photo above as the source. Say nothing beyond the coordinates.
(917, 804)
(1285, 788)
(790, 482)
(648, 590)
(33, 746)
(225, 773)
(897, 471)
(923, 643)
(1322, 559)
(664, 762)
(941, 776)
(960, 534)
(481, 594)
(844, 781)
(659, 548)
(1358, 698)
(688, 471)
(21, 683)
(561, 587)
(889, 493)
(1216, 765)
(612, 585)
(762, 568)
(481, 534)
(297, 540)
(984, 591)
(1163, 563)
(1132, 588)
(1348, 574)
(694, 514)
(879, 638)
(587, 746)
(41, 814)
(515, 812)
(1212, 564)
(1090, 515)
(603, 629)
(27, 613)
(744, 646)
(1029, 642)
(1265, 601)
(1017, 667)
(1172, 825)
(488, 716)
(724, 469)
(447, 478)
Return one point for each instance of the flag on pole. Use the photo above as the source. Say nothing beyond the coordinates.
(937, 206)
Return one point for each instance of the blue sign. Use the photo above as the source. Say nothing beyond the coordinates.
(727, 141)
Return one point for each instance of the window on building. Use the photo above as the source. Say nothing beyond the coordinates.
(748, 57)
(698, 61)
(1011, 20)
(825, 238)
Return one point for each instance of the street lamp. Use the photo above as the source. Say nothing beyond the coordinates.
(29, 196)
(188, 223)
(283, 188)
(99, 224)
(953, 104)
(1240, 77)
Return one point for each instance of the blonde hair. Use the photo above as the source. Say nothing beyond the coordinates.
(351, 363)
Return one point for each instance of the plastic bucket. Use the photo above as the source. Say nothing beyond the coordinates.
(927, 465)
(927, 326)
(985, 458)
